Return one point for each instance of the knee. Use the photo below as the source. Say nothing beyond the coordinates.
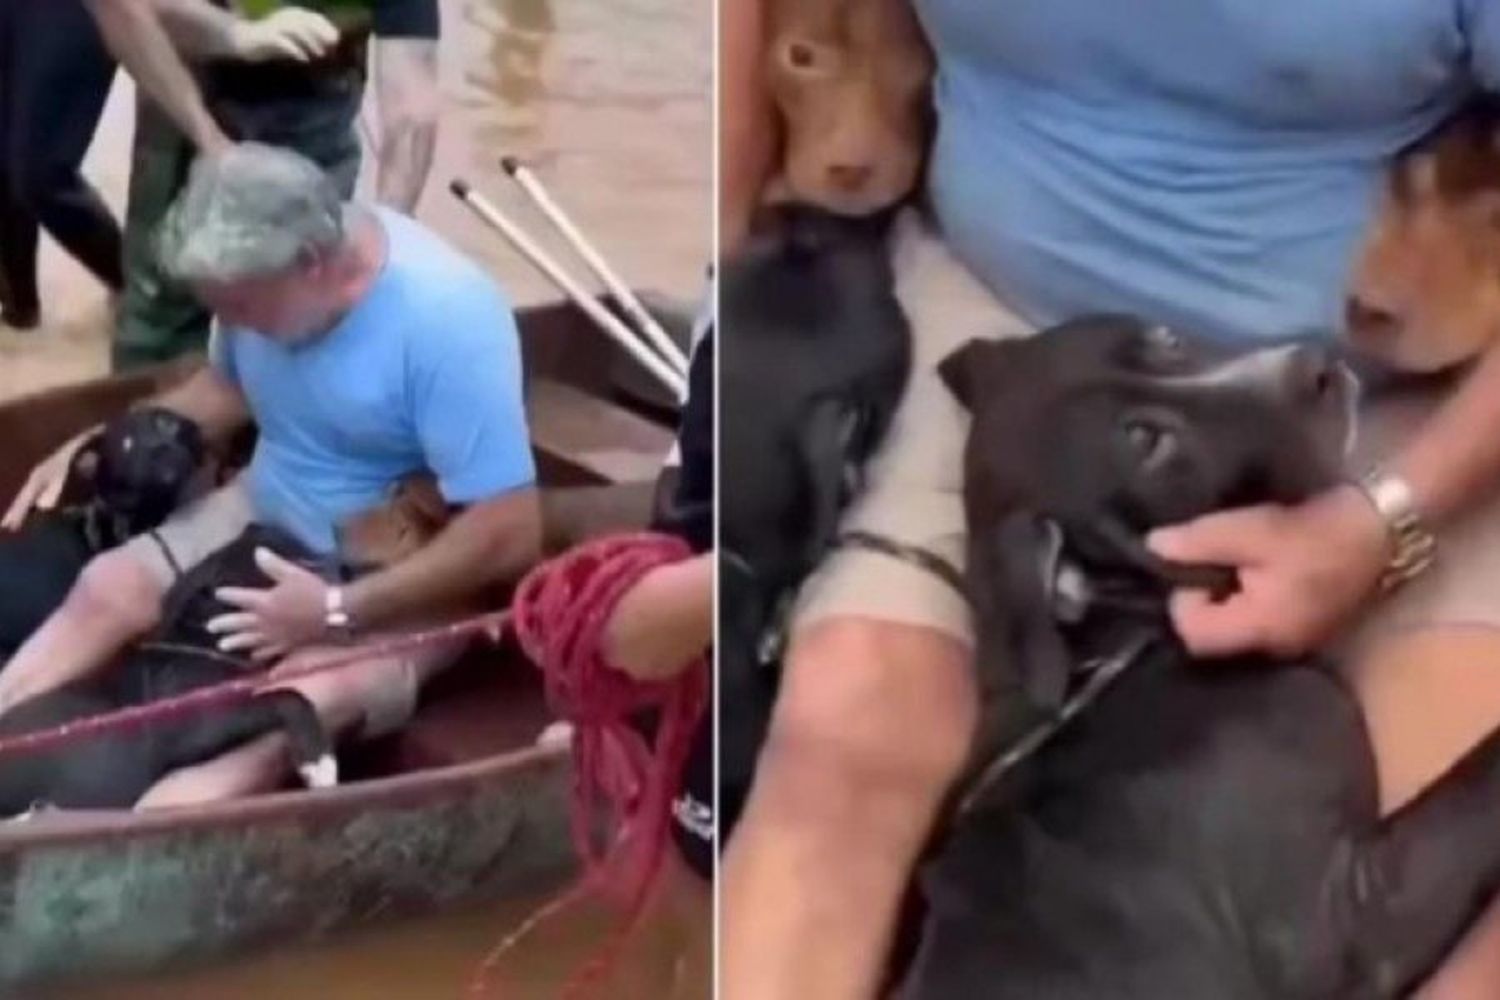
(116, 592)
(874, 720)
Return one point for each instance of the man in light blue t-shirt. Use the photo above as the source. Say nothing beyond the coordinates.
(364, 349)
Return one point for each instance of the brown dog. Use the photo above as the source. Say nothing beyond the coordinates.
(851, 79)
(1425, 294)
(385, 535)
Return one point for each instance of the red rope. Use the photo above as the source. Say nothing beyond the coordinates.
(622, 785)
(244, 688)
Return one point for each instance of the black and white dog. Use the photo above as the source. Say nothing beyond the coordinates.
(814, 355)
(125, 480)
(139, 469)
(1196, 831)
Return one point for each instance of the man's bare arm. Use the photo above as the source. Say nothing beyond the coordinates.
(134, 33)
(491, 541)
(406, 82)
(211, 401)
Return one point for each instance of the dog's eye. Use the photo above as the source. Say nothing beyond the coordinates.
(1151, 443)
(1164, 339)
(1158, 349)
(808, 58)
(1165, 345)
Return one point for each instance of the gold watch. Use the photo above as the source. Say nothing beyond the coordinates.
(1414, 546)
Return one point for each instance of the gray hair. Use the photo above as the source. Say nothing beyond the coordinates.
(250, 212)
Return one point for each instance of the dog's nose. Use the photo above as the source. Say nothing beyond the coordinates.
(1312, 373)
(850, 177)
(1365, 319)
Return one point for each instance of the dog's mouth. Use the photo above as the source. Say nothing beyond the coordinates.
(1119, 575)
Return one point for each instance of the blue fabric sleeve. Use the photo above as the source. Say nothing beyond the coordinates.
(1482, 24)
(467, 399)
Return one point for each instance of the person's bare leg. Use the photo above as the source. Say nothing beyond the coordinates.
(873, 723)
(257, 766)
(345, 699)
(115, 600)
(1429, 696)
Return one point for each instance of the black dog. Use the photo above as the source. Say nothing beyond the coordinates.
(1194, 831)
(814, 359)
(113, 771)
(124, 481)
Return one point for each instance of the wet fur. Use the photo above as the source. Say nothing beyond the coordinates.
(1202, 830)
(1425, 293)
(814, 358)
(851, 80)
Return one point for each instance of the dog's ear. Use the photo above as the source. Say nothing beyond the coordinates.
(967, 371)
(1109, 539)
(420, 497)
(1016, 567)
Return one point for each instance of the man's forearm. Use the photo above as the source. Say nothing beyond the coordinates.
(197, 27)
(133, 32)
(490, 542)
(406, 82)
(206, 398)
(665, 622)
(1455, 457)
(406, 152)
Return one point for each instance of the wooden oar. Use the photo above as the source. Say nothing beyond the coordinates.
(607, 321)
(532, 184)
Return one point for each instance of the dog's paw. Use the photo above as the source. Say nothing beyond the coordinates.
(36, 809)
(321, 773)
(558, 734)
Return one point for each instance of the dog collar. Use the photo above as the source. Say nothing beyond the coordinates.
(1101, 673)
(912, 554)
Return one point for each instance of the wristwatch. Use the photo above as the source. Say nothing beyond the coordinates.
(335, 615)
(1414, 547)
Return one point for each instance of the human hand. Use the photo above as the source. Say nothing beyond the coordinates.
(43, 488)
(1303, 572)
(273, 621)
(290, 33)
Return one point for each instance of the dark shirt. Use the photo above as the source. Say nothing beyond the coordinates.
(690, 515)
(342, 68)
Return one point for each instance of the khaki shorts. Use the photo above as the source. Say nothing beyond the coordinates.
(916, 481)
(195, 532)
(214, 520)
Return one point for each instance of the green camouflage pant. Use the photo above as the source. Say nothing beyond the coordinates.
(159, 319)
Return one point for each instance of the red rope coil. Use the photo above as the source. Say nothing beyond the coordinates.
(622, 784)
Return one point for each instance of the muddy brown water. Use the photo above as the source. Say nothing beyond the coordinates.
(609, 100)
(436, 959)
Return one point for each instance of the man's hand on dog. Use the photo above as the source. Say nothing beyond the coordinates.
(274, 621)
(1303, 571)
(43, 488)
